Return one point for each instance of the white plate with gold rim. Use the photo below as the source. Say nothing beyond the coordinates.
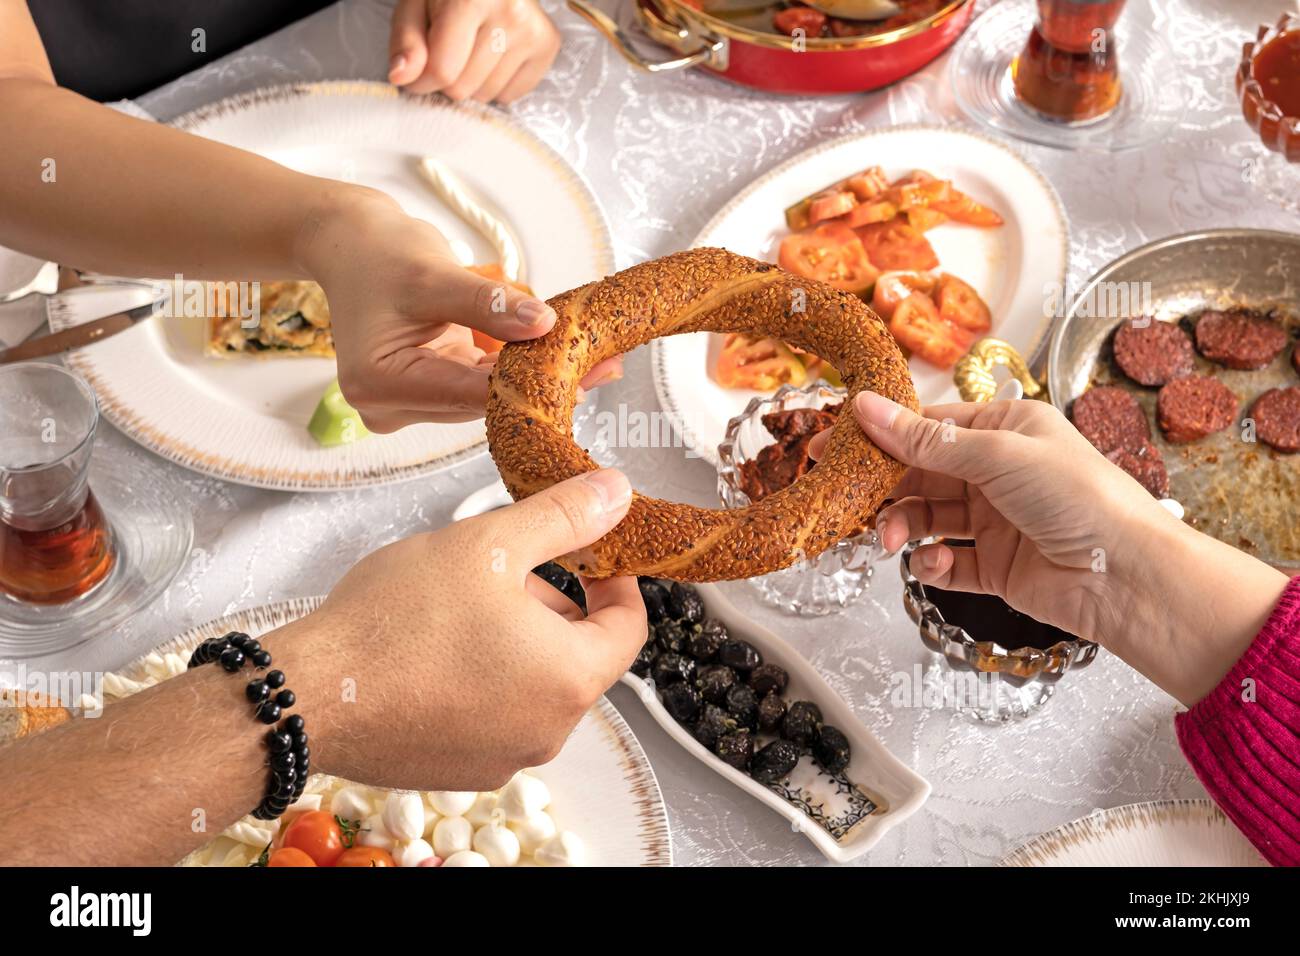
(245, 420)
(602, 785)
(1017, 268)
(1160, 833)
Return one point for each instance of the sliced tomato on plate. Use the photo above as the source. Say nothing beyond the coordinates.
(961, 305)
(868, 184)
(830, 205)
(811, 22)
(759, 363)
(830, 253)
(923, 218)
(864, 214)
(917, 326)
(897, 245)
(893, 287)
(962, 208)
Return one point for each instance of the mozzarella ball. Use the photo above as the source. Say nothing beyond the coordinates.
(534, 831)
(466, 858)
(404, 816)
(523, 796)
(412, 853)
(351, 803)
(480, 814)
(452, 803)
(498, 844)
(452, 835)
(563, 849)
(374, 833)
(431, 818)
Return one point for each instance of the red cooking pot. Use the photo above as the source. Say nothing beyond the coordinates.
(777, 63)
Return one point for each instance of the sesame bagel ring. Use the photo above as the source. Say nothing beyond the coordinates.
(533, 391)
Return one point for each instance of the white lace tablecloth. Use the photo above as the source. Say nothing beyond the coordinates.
(663, 153)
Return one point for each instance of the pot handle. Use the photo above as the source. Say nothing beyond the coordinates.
(712, 53)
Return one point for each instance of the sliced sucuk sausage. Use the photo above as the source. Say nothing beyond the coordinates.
(1277, 418)
(1111, 419)
(1153, 353)
(1194, 406)
(1239, 339)
(1146, 465)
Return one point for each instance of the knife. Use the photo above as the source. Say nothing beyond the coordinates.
(77, 336)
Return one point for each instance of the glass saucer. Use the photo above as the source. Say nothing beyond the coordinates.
(153, 531)
(1152, 102)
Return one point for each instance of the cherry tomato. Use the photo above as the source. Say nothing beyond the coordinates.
(799, 18)
(866, 213)
(917, 326)
(962, 306)
(763, 364)
(962, 208)
(893, 287)
(365, 856)
(317, 834)
(830, 205)
(289, 856)
(830, 253)
(896, 245)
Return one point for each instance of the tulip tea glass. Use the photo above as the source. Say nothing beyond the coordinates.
(56, 546)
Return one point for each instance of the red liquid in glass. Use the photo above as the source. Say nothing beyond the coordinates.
(53, 565)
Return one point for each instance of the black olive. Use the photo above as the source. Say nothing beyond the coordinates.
(672, 669)
(714, 681)
(682, 701)
(686, 604)
(831, 749)
(705, 642)
(768, 679)
(563, 581)
(671, 636)
(713, 725)
(644, 659)
(742, 705)
(771, 711)
(802, 721)
(741, 655)
(774, 762)
(655, 596)
(735, 749)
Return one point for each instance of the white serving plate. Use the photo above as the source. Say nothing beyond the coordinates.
(898, 789)
(245, 420)
(1160, 833)
(1012, 267)
(602, 785)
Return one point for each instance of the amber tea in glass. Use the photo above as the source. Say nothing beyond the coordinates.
(1069, 67)
(55, 543)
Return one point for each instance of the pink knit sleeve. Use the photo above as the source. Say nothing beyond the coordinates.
(1243, 739)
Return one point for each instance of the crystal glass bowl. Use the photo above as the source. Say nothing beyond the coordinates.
(836, 577)
(982, 679)
(1275, 170)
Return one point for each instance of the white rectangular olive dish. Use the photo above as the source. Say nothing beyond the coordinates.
(843, 815)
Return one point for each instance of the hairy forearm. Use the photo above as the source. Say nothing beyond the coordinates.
(156, 775)
(91, 188)
(1190, 606)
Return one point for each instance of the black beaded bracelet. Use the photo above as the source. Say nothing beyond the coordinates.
(290, 758)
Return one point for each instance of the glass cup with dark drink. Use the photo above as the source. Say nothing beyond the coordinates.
(994, 664)
(55, 544)
(1069, 68)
